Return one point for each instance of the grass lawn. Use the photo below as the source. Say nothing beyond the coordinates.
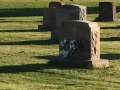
(25, 52)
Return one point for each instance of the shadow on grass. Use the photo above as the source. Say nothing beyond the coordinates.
(115, 27)
(117, 8)
(33, 67)
(30, 30)
(34, 42)
(24, 68)
(110, 39)
(110, 56)
(37, 67)
(92, 10)
(16, 12)
(20, 21)
(95, 10)
(66, 63)
(52, 64)
(25, 30)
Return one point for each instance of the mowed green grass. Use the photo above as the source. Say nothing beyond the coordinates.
(25, 52)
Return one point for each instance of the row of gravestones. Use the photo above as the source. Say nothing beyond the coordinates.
(59, 12)
(79, 39)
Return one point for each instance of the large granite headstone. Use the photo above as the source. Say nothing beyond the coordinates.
(107, 11)
(49, 16)
(86, 38)
(70, 12)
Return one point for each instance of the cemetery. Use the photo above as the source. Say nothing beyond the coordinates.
(59, 45)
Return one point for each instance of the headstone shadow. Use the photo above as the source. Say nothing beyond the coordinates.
(52, 64)
(38, 67)
(118, 9)
(92, 10)
(27, 30)
(95, 10)
(110, 39)
(17, 12)
(111, 56)
(23, 68)
(114, 27)
(63, 63)
(29, 42)
(18, 21)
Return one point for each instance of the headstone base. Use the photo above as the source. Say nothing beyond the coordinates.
(106, 19)
(101, 63)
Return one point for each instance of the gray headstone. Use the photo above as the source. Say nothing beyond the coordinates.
(49, 19)
(84, 36)
(70, 12)
(49, 16)
(107, 11)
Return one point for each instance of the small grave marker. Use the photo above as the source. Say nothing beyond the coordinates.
(49, 16)
(107, 11)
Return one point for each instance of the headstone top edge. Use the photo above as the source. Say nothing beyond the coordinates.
(77, 5)
(89, 23)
